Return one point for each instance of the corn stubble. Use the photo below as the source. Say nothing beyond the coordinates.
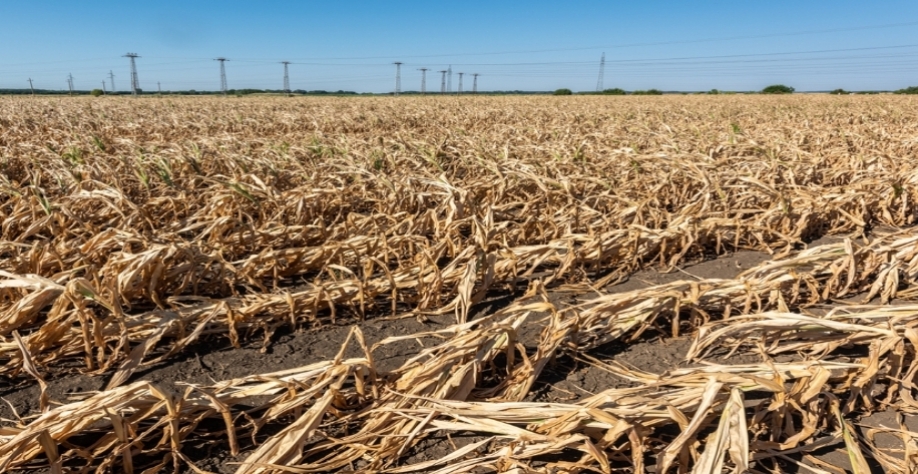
(133, 229)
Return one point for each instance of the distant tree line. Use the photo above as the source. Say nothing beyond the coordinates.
(237, 92)
(773, 89)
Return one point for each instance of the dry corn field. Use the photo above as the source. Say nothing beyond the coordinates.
(478, 284)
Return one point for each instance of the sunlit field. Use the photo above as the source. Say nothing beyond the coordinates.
(456, 284)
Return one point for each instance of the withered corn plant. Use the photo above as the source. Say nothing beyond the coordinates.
(130, 230)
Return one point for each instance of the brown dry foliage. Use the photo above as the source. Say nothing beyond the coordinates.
(132, 228)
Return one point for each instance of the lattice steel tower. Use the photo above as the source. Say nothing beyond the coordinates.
(135, 83)
(286, 77)
(475, 83)
(398, 77)
(70, 83)
(443, 81)
(111, 76)
(460, 81)
(602, 70)
(423, 79)
(222, 74)
(449, 79)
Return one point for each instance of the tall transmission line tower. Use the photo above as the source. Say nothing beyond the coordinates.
(423, 79)
(103, 88)
(70, 83)
(31, 87)
(602, 70)
(159, 87)
(443, 81)
(475, 83)
(111, 76)
(398, 77)
(222, 74)
(286, 77)
(135, 83)
(460, 82)
(449, 79)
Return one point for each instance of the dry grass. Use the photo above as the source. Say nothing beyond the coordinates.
(132, 229)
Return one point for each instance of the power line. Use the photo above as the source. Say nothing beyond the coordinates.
(817, 61)
(776, 57)
(683, 58)
(636, 61)
(772, 63)
(632, 45)
(787, 53)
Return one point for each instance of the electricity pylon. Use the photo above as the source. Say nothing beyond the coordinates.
(602, 70)
(286, 77)
(398, 77)
(135, 83)
(423, 79)
(222, 74)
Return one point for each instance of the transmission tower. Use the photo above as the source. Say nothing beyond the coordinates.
(423, 79)
(135, 83)
(286, 77)
(460, 81)
(70, 83)
(103, 88)
(31, 87)
(475, 83)
(111, 76)
(449, 79)
(443, 81)
(398, 77)
(602, 70)
(222, 74)
(159, 88)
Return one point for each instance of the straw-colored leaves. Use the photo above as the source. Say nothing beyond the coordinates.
(133, 231)
(730, 437)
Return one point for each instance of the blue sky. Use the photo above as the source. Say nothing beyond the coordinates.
(534, 45)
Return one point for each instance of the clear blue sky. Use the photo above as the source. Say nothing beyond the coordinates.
(534, 45)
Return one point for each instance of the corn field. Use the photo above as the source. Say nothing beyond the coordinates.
(136, 233)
